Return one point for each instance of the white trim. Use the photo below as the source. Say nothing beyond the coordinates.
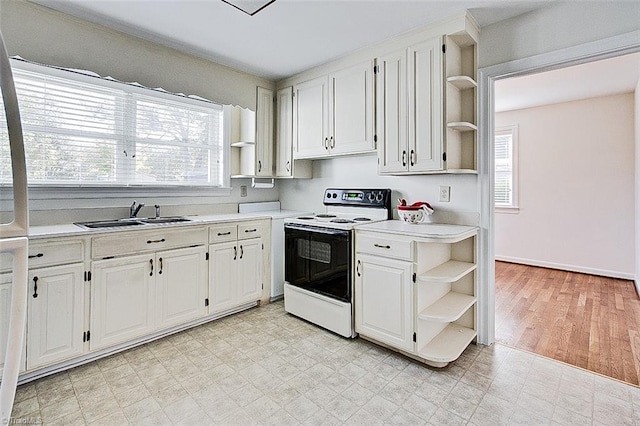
(565, 267)
(507, 209)
(588, 52)
(511, 129)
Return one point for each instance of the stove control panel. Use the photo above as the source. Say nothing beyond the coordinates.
(379, 198)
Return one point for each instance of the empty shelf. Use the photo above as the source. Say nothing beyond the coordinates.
(241, 144)
(449, 344)
(448, 308)
(462, 126)
(462, 82)
(448, 272)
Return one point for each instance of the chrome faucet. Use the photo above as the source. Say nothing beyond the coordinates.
(157, 210)
(134, 209)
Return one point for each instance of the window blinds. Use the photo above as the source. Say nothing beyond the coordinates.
(504, 169)
(83, 130)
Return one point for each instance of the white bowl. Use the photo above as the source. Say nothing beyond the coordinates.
(414, 215)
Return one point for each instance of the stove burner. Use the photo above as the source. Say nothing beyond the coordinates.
(341, 221)
(361, 219)
(306, 217)
(325, 216)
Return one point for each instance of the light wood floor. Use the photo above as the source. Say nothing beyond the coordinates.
(584, 320)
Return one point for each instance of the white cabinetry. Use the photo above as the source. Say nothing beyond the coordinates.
(55, 319)
(333, 115)
(235, 264)
(251, 137)
(426, 106)
(286, 166)
(415, 288)
(136, 294)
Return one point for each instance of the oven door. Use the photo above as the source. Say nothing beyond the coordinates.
(319, 260)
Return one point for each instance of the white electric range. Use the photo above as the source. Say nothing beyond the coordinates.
(318, 256)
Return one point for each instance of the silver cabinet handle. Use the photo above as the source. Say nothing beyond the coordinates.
(326, 143)
(411, 157)
(404, 158)
(288, 166)
(381, 246)
(332, 142)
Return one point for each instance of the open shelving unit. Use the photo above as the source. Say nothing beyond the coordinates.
(460, 103)
(242, 138)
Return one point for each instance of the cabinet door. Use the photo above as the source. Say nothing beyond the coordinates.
(384, 301)
(6, 283)
(284, 133)
(122, 299)
(311, 118)
(181, 285)
(250, 270)
(351, 100)
(55, 314)
(391, 91)
(223, 271)
(264, 133)
(425, 106)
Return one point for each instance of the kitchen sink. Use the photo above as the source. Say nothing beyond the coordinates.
(121, 223)
(174, 219)
(109, 223)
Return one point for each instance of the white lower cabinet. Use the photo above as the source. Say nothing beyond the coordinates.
(383, 295)
(415, 288)
(137, 295)
(5, 309)
(55, 318)
(182, 286)
(122, 300)
(235, 274)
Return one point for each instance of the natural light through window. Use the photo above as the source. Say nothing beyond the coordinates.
(506, 176)
(87, 131)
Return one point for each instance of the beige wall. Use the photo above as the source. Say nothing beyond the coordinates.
(554, 27)
(42, 35)
(576, 187)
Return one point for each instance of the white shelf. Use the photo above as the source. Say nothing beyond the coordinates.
(462, 82)
(448, 308)
(462, 171)
(242, 144)
(242, 176)
(462, 126)
(448, 272)
(448, 345)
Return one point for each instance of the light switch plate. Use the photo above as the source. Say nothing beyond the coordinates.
(445, 194)
(243, 190)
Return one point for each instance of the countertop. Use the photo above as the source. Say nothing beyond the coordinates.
(71, 230)
(430, 231)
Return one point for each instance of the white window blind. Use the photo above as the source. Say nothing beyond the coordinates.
(81, 130)
(505, 191)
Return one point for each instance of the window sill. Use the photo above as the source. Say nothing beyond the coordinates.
(507, 210)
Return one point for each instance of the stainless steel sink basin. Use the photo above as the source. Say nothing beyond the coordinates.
(118, 223)
(121, 223)
(174, 219)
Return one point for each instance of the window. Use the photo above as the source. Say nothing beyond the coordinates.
(83, 130)
(506, 176)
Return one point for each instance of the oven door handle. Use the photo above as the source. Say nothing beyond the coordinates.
(316, 229)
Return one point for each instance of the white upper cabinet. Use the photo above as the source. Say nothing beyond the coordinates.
(333, 115)
(286, 166)
(426, 107)
(264, 133)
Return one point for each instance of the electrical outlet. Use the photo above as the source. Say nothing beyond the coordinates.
(445, 194)
(243, 190)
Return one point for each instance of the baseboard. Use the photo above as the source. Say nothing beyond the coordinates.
(571, 268)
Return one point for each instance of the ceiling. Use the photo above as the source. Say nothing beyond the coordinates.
(601, 78)
(286, 37)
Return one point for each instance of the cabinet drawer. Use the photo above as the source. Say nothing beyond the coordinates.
(139, 242)
(223, 233)
(384, 246)
(251, 230)
(55, 253)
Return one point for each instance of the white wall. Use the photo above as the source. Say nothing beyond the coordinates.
(42, 35)
(554, 27)
(576, 187)
(637, 184)
(361, 171)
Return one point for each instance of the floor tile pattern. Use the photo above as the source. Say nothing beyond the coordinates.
(265, 367)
